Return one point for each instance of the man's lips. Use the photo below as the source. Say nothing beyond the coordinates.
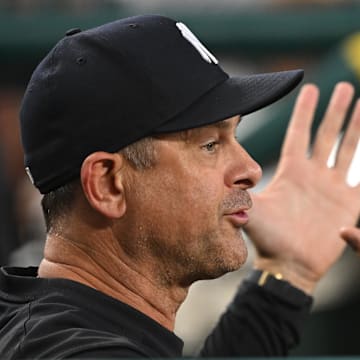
(238, 217)
(235, 207)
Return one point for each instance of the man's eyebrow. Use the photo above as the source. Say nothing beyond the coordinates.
(224, 124)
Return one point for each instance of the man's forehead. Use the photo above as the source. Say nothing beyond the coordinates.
(227, 123)
(230, 123)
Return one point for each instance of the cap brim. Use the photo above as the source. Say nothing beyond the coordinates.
(234, 96)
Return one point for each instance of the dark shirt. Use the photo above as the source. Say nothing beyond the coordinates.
(60, 318)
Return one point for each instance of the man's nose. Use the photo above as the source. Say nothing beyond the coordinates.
(247, 172)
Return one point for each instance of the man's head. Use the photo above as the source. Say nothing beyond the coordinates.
(138, 117)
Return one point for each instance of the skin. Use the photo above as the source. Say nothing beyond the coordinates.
(143, 236)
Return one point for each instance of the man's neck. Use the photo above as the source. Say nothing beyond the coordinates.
(106, 269)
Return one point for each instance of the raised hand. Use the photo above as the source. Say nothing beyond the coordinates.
(295, 222)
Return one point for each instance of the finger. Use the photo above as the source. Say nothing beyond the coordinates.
(298, 133)
(352, 237)
(334, 117)
(350, 141)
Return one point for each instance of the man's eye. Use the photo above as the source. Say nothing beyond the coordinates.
(210, 146)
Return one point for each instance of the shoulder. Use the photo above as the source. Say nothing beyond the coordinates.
(68, 320)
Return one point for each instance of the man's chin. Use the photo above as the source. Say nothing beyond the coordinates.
(235, 262)
(222, 265)
(236, 252)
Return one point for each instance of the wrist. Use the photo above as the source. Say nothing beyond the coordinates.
(290, 272)
(279, 288)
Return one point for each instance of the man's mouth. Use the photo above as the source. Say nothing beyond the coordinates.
(239, 217)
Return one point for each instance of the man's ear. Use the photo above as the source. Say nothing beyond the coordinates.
(102, 181)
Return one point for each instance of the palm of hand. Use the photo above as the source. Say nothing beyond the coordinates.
(295, 221)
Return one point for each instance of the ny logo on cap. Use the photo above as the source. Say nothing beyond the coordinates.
(203, 51)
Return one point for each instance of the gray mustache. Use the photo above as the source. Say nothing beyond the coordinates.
(237, 199)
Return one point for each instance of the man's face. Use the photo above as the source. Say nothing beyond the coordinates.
(186, 213)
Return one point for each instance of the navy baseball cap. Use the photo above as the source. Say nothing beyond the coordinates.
(107, 87)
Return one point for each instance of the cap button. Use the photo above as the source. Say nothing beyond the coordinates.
(72, 31)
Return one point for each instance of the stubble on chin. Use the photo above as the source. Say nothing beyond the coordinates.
(214, 258)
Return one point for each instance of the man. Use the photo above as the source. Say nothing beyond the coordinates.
(129, 131)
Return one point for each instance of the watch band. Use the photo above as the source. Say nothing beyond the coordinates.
(276, 285)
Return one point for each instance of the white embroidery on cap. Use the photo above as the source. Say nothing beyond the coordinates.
(203, 51)
(27, 169)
